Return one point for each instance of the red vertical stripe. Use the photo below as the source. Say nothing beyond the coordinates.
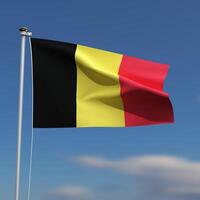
(141, 84)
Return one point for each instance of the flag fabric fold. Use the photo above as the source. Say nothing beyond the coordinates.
(79, 86)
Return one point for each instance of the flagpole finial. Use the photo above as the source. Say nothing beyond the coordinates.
(25, 31)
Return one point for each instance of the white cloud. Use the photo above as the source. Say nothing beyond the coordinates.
(71, 192)
(93, 161)
(156, 175)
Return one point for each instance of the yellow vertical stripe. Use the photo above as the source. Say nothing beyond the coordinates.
(98, 91)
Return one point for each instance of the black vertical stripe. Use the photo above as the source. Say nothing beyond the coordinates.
(54, 78)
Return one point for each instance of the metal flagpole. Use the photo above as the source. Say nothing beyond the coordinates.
(24, 32)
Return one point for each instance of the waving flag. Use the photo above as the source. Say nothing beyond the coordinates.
(79, 86)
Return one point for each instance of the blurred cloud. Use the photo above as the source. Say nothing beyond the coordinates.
(70, 192)
(158, 177)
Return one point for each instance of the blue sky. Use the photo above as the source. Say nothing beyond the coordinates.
(153, 162)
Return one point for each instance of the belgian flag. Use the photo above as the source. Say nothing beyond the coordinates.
(79, 86)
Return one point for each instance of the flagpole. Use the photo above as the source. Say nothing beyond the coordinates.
(23, 32)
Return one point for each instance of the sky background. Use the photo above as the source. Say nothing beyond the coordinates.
(159, 162)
